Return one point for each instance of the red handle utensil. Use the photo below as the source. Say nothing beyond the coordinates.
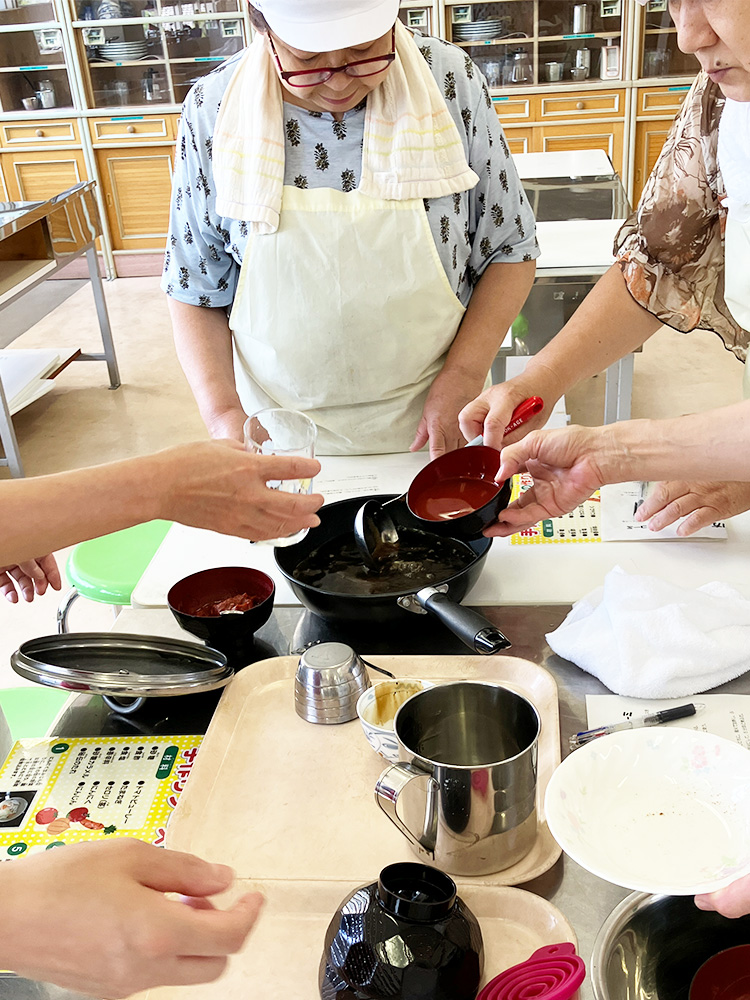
(524, 410)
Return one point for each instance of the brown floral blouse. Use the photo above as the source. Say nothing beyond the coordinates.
(671, 250)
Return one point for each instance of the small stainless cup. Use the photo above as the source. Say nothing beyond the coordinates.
(330, 678)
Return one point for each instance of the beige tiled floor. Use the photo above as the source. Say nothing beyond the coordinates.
(81, 422)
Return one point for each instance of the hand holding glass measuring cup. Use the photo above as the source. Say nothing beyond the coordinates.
(282, 432)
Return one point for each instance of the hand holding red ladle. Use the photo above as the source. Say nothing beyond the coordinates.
(375, 532)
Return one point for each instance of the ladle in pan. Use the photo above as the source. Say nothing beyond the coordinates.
(375, 531)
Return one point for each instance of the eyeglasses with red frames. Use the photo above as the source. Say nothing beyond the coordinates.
(314, 77)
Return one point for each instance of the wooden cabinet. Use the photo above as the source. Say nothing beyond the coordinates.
(656, 109)
(607, 136)
(37, 176)
(553, 122)
(136, 185)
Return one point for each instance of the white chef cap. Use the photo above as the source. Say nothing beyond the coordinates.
(326, 25)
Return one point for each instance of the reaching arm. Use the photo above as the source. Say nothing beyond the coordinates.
(606, 326)
(204, 347)
(495, 302)
(568, 465)
(209, 484)
(115, 931)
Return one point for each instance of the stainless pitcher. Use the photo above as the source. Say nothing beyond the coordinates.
(464, 791)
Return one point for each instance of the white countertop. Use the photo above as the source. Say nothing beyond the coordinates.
(570, 163)
(543, 573)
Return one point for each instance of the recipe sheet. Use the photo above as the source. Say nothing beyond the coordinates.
(620, 501)
(726, 715)
(580, 525)
(61, 791)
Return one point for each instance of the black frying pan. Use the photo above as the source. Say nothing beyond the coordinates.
(440, 597)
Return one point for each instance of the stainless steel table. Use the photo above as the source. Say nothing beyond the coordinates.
(38, 239)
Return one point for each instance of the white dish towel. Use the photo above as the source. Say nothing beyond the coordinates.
(647, 638)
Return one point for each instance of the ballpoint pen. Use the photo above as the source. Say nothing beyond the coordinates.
(653, 719)
(642, 490)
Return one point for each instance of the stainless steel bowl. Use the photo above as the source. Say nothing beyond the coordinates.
(330, 678)
(650, 947)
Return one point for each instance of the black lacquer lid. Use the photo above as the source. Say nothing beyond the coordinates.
(416, 892)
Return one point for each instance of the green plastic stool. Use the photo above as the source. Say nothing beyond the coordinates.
(107, 569)
(31, 711)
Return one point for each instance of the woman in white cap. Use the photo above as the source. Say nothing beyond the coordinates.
(348, 233)
(683, 259)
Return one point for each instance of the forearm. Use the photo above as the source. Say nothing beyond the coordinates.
(47, 513)
(495, 302)
(203, 342)
(606, 326)
(712, 445)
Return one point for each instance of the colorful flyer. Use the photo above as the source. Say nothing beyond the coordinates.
(580, 525)
(62, 791)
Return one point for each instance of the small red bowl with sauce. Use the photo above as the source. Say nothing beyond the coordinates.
(457, 495)
(224, 606)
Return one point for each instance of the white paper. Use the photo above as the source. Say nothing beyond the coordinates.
(726, 715)
(620, 501)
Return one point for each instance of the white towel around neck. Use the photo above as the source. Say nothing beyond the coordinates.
(411, 149)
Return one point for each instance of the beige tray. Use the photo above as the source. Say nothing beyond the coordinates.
(282, 957)
(276, 797)
(291, 807)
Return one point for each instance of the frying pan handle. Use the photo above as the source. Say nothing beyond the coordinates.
(471, 627)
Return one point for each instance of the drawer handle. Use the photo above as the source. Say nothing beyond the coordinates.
(580, 106)
(39, 132)
(130, 129)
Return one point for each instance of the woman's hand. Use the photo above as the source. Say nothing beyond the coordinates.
(734, 901)
(94, 918)
(490, 413)
(220, 486)
(699, 503)
(29, 579)
(565, 469)
(228, 425)
(439, 424)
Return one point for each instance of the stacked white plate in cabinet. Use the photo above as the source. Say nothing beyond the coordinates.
(479, 31)
(123, 51)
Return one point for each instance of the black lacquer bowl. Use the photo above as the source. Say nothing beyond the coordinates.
(407, 935)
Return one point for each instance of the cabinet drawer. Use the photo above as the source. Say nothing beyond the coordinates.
(39, 133)
(520, 140)
(584, 104)
(131, 128)
(513, 109)
(661, 101)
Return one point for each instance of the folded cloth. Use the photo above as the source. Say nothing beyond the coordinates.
(411, 147)
(646, 638)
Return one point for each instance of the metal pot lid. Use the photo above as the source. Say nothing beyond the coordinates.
(114, 663)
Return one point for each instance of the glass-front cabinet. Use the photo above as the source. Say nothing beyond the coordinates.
(536, 42)
(659, 56)
(148, 52)
(34, 58)
(422, 17)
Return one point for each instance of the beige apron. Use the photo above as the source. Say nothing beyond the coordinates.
(345, 313)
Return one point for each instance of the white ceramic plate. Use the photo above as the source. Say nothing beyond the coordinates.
(657, 810)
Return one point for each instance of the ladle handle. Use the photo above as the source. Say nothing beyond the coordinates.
(524, 410)
(471, 627)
